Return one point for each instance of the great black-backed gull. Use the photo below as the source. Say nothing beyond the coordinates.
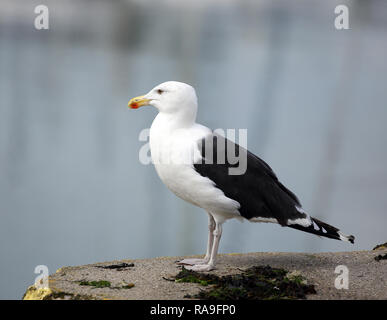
(192, 162)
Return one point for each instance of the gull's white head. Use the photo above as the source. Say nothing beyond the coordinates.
(169, 97)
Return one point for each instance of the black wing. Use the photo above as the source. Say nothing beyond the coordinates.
(257, 189)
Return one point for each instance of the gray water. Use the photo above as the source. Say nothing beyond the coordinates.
(72, 190)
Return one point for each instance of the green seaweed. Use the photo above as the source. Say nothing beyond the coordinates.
(258, 282)
(195, 277)
(105, 284)
(96, 284)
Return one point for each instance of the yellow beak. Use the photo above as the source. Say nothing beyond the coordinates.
(138, 102)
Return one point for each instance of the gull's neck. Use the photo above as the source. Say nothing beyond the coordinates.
(175, 120)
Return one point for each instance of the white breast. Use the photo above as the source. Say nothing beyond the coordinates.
(174, 151)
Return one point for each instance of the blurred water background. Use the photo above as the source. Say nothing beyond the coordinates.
(72, 190)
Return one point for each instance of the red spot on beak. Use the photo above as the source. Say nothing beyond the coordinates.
(134, 105)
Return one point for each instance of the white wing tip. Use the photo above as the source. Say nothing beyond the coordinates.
(344, 237)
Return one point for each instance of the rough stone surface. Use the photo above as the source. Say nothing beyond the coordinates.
(367, 277)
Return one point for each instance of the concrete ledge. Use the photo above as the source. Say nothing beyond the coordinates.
(145, 279)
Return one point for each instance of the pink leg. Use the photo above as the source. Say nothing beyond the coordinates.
(211, 228)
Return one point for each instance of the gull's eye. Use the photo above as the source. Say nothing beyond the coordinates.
(159, 91)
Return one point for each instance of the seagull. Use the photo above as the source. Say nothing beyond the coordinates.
(192, 161)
